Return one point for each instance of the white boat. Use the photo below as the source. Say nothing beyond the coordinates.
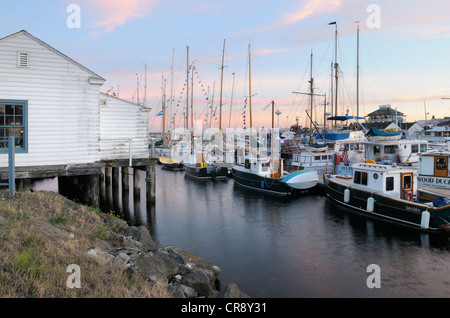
(302, 179)
(401, 151)
(434, 171)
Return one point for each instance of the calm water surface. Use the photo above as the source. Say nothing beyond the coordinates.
(300, 247)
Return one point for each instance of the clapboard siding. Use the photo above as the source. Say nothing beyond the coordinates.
(67, 121)
(120, 122)
(63, 107)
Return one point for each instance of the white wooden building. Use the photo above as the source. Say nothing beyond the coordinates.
(54, 108)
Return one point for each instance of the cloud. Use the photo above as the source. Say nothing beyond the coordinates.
(111, 14)
(308, 9)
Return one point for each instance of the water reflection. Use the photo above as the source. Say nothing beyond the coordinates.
(307, 246)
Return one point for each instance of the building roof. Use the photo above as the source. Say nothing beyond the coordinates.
(385, 111)
(24, 32)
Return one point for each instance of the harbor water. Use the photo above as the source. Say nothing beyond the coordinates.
(306, 246)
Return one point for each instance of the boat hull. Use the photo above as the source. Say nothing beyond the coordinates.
(302, 179)
(402, 211)
(210, 172)
(169, 164)
(245, 178)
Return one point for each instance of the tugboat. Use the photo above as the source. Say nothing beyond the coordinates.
(390, 192)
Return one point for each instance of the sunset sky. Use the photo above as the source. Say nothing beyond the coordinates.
(404, 52)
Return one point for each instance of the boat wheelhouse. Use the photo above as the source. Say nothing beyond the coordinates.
(400, 151)
(434, 173)
(388, 191)
(438, 135)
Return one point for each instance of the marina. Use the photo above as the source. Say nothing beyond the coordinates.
(294, 185)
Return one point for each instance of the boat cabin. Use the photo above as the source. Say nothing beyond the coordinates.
(436, 134)
(434, 170)
(264, 165)
(397, 182)
(400, 151)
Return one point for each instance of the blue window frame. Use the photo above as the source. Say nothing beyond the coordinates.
(14, 122)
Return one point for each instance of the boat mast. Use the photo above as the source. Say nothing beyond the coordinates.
(221, 87)
(192, 95)
(311, 87)
(231, 102)
(250, 86)
(336, 66)
(187, 90)
(357, 72)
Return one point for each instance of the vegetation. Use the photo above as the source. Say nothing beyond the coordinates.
(42, 233)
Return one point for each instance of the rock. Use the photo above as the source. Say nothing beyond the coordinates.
(199, 282)
(158, 265)
(141, 235)
(190, 262)
(181, 291)
(232, 291)
(121, 259)
(91, 252)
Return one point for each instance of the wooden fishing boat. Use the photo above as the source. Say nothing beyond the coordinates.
(170, 164)
(390, 192)
(267, 175)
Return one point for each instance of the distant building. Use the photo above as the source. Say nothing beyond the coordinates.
(385, 114)
(54, 108)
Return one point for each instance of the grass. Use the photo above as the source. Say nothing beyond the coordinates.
(42, 233)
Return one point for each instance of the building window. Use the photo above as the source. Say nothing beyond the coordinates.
(13, 122)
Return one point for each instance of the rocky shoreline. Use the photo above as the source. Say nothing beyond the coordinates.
(186, 274)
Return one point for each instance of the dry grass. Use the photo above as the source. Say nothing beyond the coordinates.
(42, 233)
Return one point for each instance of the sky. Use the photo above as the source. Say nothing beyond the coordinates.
(403, 54)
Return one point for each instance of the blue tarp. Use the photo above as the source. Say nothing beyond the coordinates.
(376, 132)
(344, 118)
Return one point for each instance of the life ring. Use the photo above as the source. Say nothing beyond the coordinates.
(370, 161)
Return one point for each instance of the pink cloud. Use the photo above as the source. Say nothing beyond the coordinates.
(112, 14)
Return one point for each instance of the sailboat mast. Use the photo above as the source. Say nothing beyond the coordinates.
(250, 86)
(192, 96)
(357, 71)
(145, 87)
(187, 90)
(336, 66)
(221, 88)
(311, 86)
(231, 102)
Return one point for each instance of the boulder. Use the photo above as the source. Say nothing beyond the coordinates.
(141, 235)
(232, 291)
(199, 282)
(156, 265)
(181, 291)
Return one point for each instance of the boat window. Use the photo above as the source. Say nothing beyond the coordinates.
(376, 150)
(407, 182)
(391, 149)
(423, 147)
(357, 177)
(441, 164)
(414, 148)
(389, 183)
(324, 157)
(364, 178)
(360, 178)
(317, 158)
(375, 176)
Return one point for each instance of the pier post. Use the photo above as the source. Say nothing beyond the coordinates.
(150, 179)
(94, 190)
(136, 181)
